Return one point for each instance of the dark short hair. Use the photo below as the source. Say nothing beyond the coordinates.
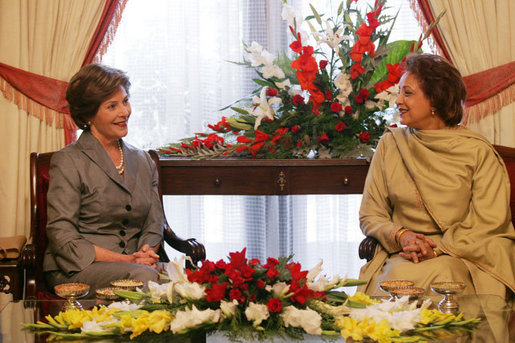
(89, 87)
(441, 83)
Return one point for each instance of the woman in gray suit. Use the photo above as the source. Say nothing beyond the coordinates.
(105, 220)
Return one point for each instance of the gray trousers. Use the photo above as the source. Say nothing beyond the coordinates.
(100, 274)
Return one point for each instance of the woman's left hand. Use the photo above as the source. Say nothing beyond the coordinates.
(418, 249)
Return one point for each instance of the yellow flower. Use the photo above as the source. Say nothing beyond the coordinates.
(349, 328)
(159, 321)
(380, 332)
(362, 298)
(140, 324)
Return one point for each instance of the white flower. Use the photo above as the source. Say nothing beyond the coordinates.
(342, 81)
(283, 84)
(228, 308)
(272, 70)
(256, 313)
(323, 284)
(332, 38)
(290, 14)
(307, 319)
(191, 318)
(279, 289)
(259, 56)
(124, 306)
(175, 270)
(262, 107)
(190, 290)
(369, 104)
(160, 291)
(315, 271)
(389, 95)
(93, 326)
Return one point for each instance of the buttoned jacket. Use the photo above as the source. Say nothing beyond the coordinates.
(89, 204)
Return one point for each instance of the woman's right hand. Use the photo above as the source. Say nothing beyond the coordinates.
(416, 247)
(146, 256)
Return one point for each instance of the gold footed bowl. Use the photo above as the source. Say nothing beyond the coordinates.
(71, 292)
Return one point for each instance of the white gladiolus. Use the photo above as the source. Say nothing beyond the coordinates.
(272, 70)
(228, 308)
(323, 284)
(307, 319)
(160, 291)
(389, 95)
(283, 84)
(191, 318)
(315, 271)
(124, 306)
(290, 15)
(190, 290)
(279, 289)
(256, 313)
(175, 270)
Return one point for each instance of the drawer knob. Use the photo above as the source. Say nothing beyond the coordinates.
(346, 181)
(217, 182)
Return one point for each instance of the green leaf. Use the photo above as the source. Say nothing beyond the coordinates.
(240, 110)
(340, 8)
(129, 294)
(398, 50)
(315, 13)
(355, 304)
(354, 282)
(263, 83)
(237, 123)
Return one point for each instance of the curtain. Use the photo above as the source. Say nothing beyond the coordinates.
(478, 37)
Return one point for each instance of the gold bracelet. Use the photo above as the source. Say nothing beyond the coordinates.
(399, 234)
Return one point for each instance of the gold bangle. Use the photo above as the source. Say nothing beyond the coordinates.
(399, 234)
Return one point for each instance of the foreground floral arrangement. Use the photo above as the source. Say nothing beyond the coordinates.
(330, 99)
(248, 300)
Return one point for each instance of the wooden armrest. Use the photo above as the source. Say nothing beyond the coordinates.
(190, 247)
(367, 248)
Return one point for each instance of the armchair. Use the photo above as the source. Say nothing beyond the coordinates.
(32, 256)
(368, 245)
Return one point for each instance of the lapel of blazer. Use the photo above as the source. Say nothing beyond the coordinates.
(96, 152)
(131, 166)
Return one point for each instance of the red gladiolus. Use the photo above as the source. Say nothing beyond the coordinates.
(395, 72)
(243, 139)
(328, 95)
(393, 125)
(261, 136)
(372, 18)
(271, 92)
(362, 96)
(241, 148)
(254, 149)
(302, 294)
(298, 99)
(271, 262)
(348, 110)
(217, 292)
(323, 138)
(295, 128)
(323, 64)
(307, 69)
(296, 46)
(336, 107)
(340, 126)
(364, 136)
(356, 70)
(274, 305)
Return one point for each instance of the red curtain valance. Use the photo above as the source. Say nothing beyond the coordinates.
(487, 83)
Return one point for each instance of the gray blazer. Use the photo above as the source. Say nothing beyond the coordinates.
(90, 204)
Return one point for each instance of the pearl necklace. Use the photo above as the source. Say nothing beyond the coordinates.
(121, 167)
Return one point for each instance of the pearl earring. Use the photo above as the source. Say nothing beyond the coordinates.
(432, 112)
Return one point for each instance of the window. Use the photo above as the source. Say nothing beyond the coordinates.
(176, 54)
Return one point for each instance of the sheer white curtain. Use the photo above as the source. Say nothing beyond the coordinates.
(176, 54)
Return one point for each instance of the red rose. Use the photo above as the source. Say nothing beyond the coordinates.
(336, 107)
(323, 138)
(356, 70)
(364, 136)
(363, 95)
(274, 305)
(295, 128)
(235, 294)
(340, 126)
(323, 64)
(271, 92)
(298, 99)
(348, 110)
(299, 144)
(271, 262)
(328, 95)
(260, 284)
(272, 273)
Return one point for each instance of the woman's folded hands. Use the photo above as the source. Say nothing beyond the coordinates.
(416, 247)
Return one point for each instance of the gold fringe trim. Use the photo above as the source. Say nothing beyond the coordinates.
(491, 105)
(51, 117)
(111, 31)
(423, 25)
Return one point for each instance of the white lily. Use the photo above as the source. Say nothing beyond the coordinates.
(332, 38)
(259, 56)
(175, 270)
(191, 318)
(190, 290)
(389, 95)
(263, 107)
(307, 319)
(289, 14)
(256, 313)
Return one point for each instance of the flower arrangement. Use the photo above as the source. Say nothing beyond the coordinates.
(331, 98)
(247, 300)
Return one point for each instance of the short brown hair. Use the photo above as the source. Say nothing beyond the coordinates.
(441, 83)
(89, 87)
